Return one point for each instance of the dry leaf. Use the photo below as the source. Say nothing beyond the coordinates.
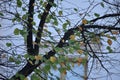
(115, 32)
(64, 72)
(80, 51)
(82, 44)
(80, 28)
(62, 64)
(72, 37)
(109, 41)
(3, 55)
(84, 21)
(97, 39)
(79, 60)
(38, 57)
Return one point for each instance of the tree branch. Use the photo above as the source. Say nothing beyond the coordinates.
(41, 25)
(105, 16)
(29, 68)
(30, 27)
(113, 4)
(101, 27)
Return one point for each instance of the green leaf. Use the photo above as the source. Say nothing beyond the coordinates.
(22, 77)
(39, 16)
(53, 4)
(84, 61)
(34, 77)
(102, 4)
(14, 19)
(36, 62)
(18, 19)
(68, 22)
(19, 56)
(75, 9)
(23, 9)
(47, 67)
(16, 31)
(33, 23)
(96, 14)
(60, 13)
(71, 49)
(31, 57)
(37, 70)
(64, 26)
(19, 3)
(17, 62)
(23, 33)
(1, 14)
(55, 22)
(26, 56)
(113, 38)
(62, 70)
(49, 18)
(109, 49)
(8, 44)
(24, 17)
(11, 59)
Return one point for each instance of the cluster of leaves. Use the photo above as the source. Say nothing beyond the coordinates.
(60, 61)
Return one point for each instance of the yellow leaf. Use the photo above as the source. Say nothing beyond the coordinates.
(82, 43)
(34, 43)
(52, 59)
(72, 37)
(26, 78)
(37, 57)
(84, 21)
(63, 40)
(31, 62)
(80, 51)
(109, 41)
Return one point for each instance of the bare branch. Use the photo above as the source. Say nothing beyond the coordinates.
(105, 16)
(111, 3)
